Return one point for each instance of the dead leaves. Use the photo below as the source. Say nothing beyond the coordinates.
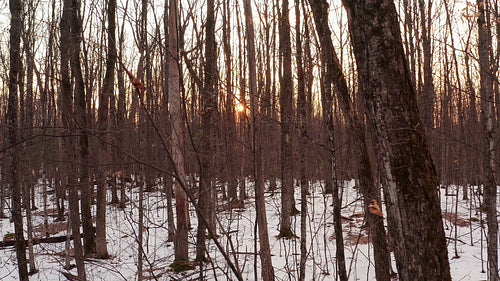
(374, 208)
(134, 80)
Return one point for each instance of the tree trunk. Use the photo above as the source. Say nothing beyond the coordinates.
(3, 193)
(488, 121)
(103, 127)
(428, 93)
(242, 116)
(27, 195)
(286, 112)
(302, 124)
(121, 109)
(68, 46)
(177, 136)
(12, 134)
(267, 272)
(208, 142)
(81, 119)
(412, 184)
(230, 135)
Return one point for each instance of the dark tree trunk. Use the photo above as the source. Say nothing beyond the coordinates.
(69, 16)
(488, 121)
(286, 112)
(428, 94)
(230, 125)
(242, 118)
(302, 123)
(208, 142)
(16, 7)
(103, 127)
(81, 119)
(412, 185)
(121, 110)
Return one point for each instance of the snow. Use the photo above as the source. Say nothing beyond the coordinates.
(239, 226)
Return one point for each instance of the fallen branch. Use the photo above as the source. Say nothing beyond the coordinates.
(458, 240)
(54, 239)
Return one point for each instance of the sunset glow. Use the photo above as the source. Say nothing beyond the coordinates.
(239, 107)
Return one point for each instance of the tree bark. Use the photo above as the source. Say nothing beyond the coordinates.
(103, 127)
(67, 46)
(286, 112)
(177, 136)
(242, 116)
(428, 93)
(229, 110)
(488, 121)
(302, 123)
(16, 7)
(81, 122)
(267, 272)
(412, 184)
(208, 142)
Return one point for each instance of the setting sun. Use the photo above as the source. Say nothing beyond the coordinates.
(239, 107)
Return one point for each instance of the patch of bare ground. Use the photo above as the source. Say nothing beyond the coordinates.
(459, 221)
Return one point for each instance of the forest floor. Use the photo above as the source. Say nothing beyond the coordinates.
(465, 236)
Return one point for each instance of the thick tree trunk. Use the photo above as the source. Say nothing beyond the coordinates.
(12, 134)
(412, 185)
(488, 121)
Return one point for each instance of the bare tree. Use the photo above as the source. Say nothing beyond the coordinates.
(26, 122)
(488, 121)
(208, 145)
(230, 122)
(103, 126)
(302, 123)
(286, 115)
(177, 135)
(265, 250)
(15, 73)
(70, 42)
(428, 92)
(82, 123)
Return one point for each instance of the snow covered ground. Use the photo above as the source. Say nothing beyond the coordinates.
(238, 225)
